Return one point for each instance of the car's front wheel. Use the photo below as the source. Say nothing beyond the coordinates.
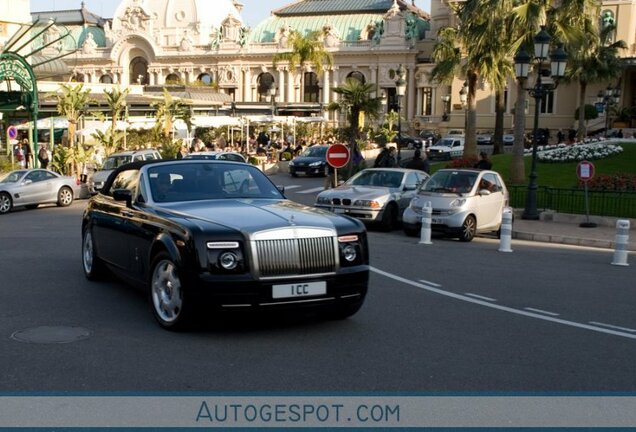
(411, 232)
(6, 203)
(389, 217)
(169, 304)
(65, 197)
(93, 267)
(469, 228)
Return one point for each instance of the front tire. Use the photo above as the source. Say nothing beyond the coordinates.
(411, 232)
(94, 268)
(65, 197)
(6, 203)
(170, 305)
(469, 228)
(389, 218)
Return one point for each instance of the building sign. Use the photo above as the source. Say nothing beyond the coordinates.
(13, 69)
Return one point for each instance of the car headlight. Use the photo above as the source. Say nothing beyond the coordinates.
(228, 260)
(367, 203)
(291, 163)
(350, 250)
(458, 202)
(315, 164)
(323, 200)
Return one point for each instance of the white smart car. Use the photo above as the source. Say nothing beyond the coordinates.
(464, 202)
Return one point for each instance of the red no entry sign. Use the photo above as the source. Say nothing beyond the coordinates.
(338, 155)
(585, 170)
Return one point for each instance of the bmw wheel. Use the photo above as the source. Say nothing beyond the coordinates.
(6, 203)
(389, 217)
(65, 197)
(469, 228)
(169, 305)
(93, 266)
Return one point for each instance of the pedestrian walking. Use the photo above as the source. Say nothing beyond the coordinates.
(43, 157)
(483, 163)
(419, 163)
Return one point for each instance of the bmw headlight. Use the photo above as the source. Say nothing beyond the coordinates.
(323, 200)
(315, 164)
(367, 203)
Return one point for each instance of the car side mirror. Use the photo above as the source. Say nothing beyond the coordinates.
(410, 187)
(123, 195)
(27, 182)
(281, 189)
(484, 192)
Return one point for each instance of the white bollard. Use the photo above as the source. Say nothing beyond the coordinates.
(622, 240)
(505, 238)
(425, 232)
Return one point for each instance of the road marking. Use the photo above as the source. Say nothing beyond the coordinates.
(292, 187)
(308, 191)
(430, 283)
(481, 297)
(541, 311)
(500, 307)
(613, 327)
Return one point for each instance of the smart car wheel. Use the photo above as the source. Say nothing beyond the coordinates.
(6, 203)
(411, 232)
(65, 197)
(169, 305)
(93, 267)
(469, 227)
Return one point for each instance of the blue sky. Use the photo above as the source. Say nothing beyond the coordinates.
(253, 12)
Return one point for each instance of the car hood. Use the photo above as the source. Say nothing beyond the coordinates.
(102, 175)
(250, 215)
(357, 192)
(306, 160)
(437, 200)
(439, 148)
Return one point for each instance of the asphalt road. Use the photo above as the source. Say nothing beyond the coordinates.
(446, 317)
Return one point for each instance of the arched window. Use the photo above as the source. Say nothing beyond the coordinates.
(139, 71)
(173, 79)
(265, 82)
(78, 77)
(357, 76)
(205, 79)
(312, 89)
(106, 79)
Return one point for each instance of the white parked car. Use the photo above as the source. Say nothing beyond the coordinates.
(464, 202)
(447, 148)
(374, 195)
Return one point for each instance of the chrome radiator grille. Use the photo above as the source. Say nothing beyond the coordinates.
(302, 254)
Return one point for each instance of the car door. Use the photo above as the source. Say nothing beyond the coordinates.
(490, 205)
(409, 189)
(111, 222)
(33, 188)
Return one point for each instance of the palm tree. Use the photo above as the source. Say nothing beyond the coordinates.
(305, 50)
(72, 103)
(168, 110)
(116, 101)
(356, 98)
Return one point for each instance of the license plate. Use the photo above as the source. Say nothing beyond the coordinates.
(302, 289)
(339, 210)
(437, 221)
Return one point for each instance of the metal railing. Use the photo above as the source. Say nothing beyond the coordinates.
(602, 203)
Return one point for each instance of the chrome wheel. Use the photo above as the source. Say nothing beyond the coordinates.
(88, 253)
(166, 292)
(5, 203)
(469, 228)
(65, 197)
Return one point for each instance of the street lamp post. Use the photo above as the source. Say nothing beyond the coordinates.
(272, 94)
(400, 90)
(446, 100)
(608, 99)
(538, 92)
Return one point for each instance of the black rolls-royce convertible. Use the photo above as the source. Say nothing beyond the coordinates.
(206, 236)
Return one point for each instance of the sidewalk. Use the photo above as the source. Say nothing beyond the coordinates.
(565, 229)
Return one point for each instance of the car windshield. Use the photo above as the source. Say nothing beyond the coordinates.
(450, 181)
(382, 178)
(113, 162)
(13, 177)
(315, 151)
(209, 180)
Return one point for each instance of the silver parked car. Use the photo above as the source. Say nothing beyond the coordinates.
(374, 195)
(30, 188)
(97, 180)
(464, 202)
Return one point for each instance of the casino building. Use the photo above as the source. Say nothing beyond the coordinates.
(203, 51)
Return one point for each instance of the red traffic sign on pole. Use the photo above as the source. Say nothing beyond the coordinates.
(585, 170)
(12, 132)
(338, 155)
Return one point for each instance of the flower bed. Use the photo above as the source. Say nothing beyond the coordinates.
(615, 183)
(578, 152)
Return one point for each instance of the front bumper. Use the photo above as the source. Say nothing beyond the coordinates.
(307, 170)
(242, 293)
(412, 219)
(364, 214)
